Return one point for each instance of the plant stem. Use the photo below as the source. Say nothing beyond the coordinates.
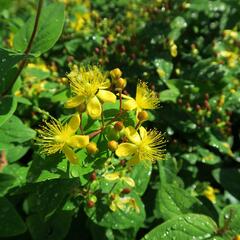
(27, 50)
(81, 127)
(120, 100)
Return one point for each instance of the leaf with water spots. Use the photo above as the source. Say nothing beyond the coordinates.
(102, 215)
(172, 201)
(229, 221)
(141, 174)
(49, 30)
(8, 105)
(184, 227)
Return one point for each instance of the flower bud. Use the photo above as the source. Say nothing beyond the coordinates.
(118, 126)
(123, 162)
(82, 108)
(92, 148)
(93, 176)
(113, 145)
(90, 203)
(121, 83)
(142, 116)
(116, 73)
(126, 191)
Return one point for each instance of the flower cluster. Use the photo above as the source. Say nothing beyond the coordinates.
(91, 91)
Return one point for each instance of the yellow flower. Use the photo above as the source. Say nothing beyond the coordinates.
(55, 137)
(209, 193)
(117, 175)
(89, 88)
(143, 146)
(145, 99)
(124, 204)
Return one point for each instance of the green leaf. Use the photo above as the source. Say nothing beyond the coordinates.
(11, 222)
(13, 151)
(4, 4)
(141, 174)
(56, 228)
(229, 219)
(49, 195)
(164, 68)
(101, 215)
(19, 172)
(45, 168)
(14, 130)
(228, 178)
(169, 95)
(6, 181)
(172, 201)
(184, 227)
(177, 25)
(8, 59)
(168, 170)
(49, 30)
(8, 106)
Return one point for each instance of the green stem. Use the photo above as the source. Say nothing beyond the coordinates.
(27, 50)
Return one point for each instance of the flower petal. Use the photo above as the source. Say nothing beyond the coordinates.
(70, 155)
(129, 105)
(94, 108)
(78, 141)
(126, 149)
(132, 134)
(111, 176)
(74, 102)
(129, 181)
(125, 96)
(73, 124)
(106, 96)
(143, 132)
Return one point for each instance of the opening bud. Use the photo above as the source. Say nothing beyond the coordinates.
(142, 116)
(112, 145)
(92, 148)
(116, 73)
(118, 126)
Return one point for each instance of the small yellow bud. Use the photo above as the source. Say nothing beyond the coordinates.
(118, 126)
(116, 73)
(142, 116)
(92, 148)
(112, 145)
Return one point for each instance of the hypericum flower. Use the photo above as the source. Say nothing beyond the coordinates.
(89, 87)
(145, 99)
(209, 193)
(123, 203)
(55, 137)
(143, 146)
